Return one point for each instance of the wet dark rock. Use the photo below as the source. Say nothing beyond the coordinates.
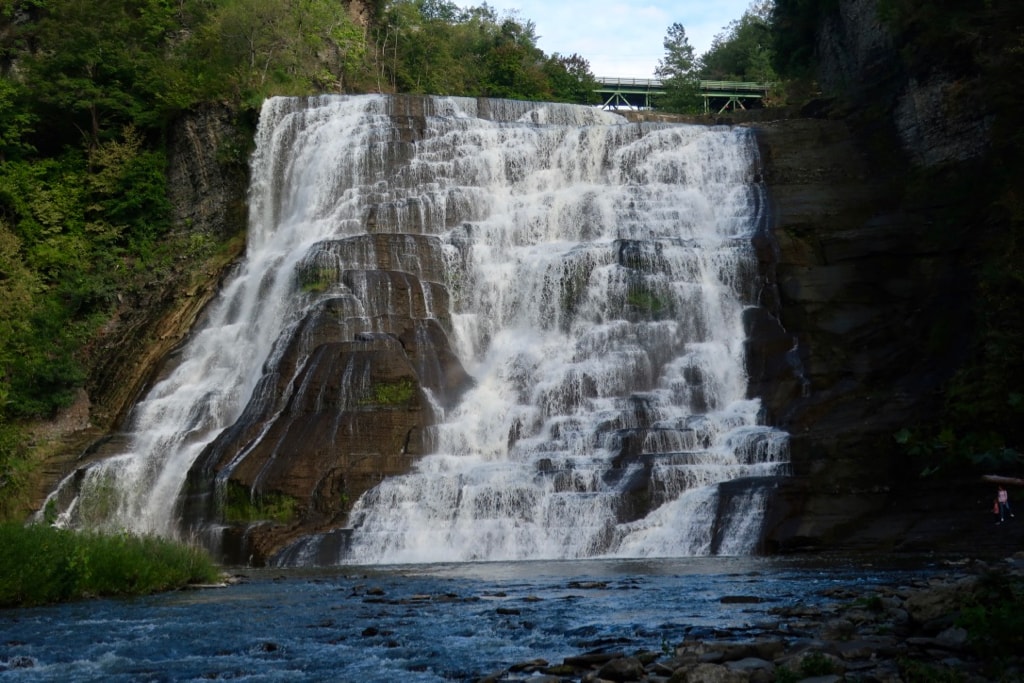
(740, 599)
(592, 659)
(529, 666)
(750, 665)
(18, 662)
(848, 637)
(622, 669)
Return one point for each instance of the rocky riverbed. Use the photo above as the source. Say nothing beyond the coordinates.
(735, 619)
(926, 630)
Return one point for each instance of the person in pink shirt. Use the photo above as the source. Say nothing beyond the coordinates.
(1003, 499)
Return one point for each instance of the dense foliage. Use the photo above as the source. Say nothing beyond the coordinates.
(794, 30)
(993, 616)
(433, 46)
(41, 564)
(744, 50)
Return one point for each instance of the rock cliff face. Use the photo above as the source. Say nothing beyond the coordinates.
(861, 288)
(207, 193)
(345, 405)
(206, 182)
(870, 294)
(938, 113)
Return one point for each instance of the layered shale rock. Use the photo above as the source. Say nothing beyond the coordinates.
(343, 405)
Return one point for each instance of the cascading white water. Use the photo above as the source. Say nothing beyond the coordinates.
(606, 263)
(597, 271)
(211, 382)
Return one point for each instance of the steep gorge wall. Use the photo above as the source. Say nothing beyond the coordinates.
(872, 288)
(862, 289)
(207, 184)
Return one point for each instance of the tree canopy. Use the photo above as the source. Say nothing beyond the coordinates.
(742, 51)
(436, 47)
(88, 88)
(679, 71)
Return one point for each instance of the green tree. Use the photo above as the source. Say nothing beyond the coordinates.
(97, 67)
(743, 51)
(679, 72)
(571, 79)
(416, 48)
(514, 64)
(433, 46)
(17, 121)
(258, 48)
(794, 25)
(74, 225)
(18, 286)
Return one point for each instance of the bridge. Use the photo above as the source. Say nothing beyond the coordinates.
(642, 93)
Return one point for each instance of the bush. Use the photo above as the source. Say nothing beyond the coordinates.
(41, 564)
(994, 617)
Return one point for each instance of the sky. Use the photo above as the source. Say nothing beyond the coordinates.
(621, 38)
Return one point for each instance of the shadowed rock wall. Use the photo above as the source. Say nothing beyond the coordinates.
(870, 289)
(860, 287)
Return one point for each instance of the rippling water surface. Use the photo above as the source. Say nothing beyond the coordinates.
(416, 623)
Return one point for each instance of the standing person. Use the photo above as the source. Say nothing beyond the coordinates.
(1004, 504)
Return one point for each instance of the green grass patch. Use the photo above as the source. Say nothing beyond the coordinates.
(398, 393)
(913, 671)
(811, 666)
(647, 302)
(40, 565)
(240, 506)
(317, 278)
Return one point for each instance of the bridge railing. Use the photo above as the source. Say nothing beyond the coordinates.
(734, 86)
(710, 86)
(646, 82)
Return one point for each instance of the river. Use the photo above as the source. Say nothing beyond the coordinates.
(423, 623)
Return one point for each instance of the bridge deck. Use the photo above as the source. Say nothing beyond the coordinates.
(638, 92)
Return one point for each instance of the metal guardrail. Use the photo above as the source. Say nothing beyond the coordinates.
(710, 86)
(646, 82)
(734, 86)
(638, 92)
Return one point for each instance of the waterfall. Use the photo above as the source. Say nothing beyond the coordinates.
(209, 384)
(590, 276)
